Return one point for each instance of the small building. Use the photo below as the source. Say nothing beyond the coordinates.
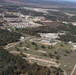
(22, 37)
(74, 46)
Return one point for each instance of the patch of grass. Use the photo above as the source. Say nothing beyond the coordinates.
(63, 45)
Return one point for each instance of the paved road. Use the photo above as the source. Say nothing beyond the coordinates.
(65, 73)
(57, 49)
(13, 44)
(73, 70)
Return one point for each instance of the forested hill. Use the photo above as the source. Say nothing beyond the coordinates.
(8, 37)
(15, 65)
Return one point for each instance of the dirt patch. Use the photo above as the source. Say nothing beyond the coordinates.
(52, 24)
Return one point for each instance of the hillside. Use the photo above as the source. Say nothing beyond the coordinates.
(15, 65)
(5, 35)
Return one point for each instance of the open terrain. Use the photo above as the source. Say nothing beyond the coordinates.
(66, 55)
(44, 36)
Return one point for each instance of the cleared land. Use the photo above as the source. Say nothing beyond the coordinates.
(67, 57)
(52, 24)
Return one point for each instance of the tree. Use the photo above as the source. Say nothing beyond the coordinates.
(58, 57)
(51, 47)
(55, 52)
(42, 46)
(44, 54)
(61, 45)
(36, 48)
(20, 44)
(33, 43)
(51, 55)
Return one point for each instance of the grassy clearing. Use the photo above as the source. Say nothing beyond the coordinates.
(68, 62)
(66, 58)
(34, 47)
(63, 45)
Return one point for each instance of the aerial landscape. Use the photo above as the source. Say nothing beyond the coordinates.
(37, 37)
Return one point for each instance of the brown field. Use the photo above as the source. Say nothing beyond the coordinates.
(74, 72)
(53, 24)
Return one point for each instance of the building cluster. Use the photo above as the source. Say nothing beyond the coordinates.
(22, 21)
(48, 37)
(39, 18)
(12, 19)
(74, 46)
(20, 25)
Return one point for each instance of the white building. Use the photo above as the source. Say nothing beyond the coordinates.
(22, 37)
(49, 35)
(74, 46)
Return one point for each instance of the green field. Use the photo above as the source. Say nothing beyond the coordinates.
(63, 45)
(34, 47)
(63, 51)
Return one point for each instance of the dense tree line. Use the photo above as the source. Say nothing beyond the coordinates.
(73, 19)
(1, 10)
(68, 37)
(1, 23)
(67, 9)
(49, 29)
(70, 29)
(41, 29)
(31, 12)
(57, 15)
(11, 8)
(51, 17)
(15, 65)
(10, 16)
(8, 37)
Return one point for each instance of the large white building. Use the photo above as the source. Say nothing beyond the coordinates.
(74, 46)
(49, 35)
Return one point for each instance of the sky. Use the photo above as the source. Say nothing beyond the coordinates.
(67, 0)
(62, 0)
